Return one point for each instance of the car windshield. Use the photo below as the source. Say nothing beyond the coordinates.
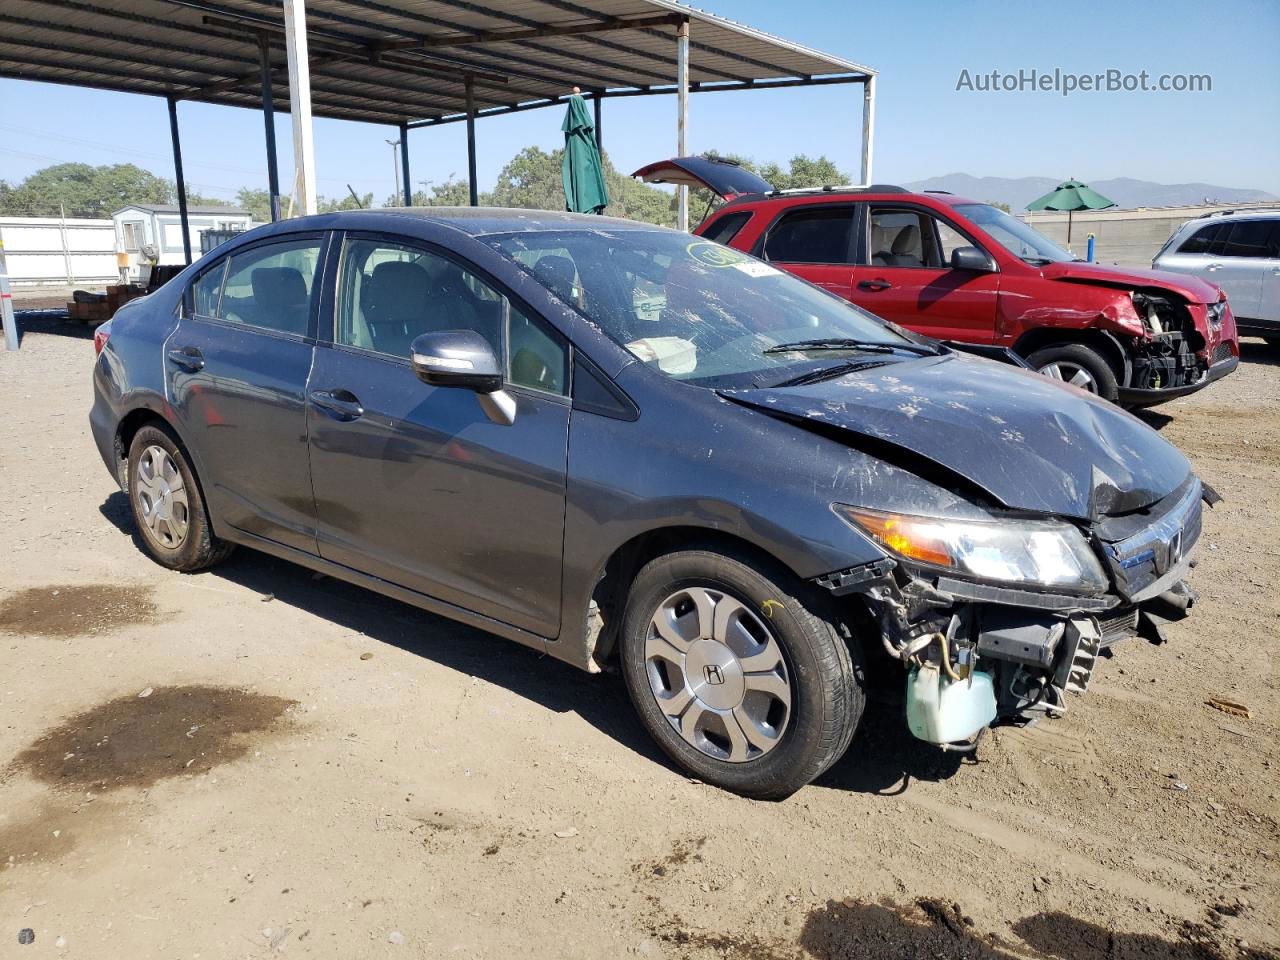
(1014, 235)
(695, 310)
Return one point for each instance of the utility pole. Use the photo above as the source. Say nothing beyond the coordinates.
(395, 163)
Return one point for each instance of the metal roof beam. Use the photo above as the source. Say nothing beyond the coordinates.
(353, 114)
(642, 92)
(194, 88)
(537, 47)
(582, 11)
(538, 33)
(185, 88)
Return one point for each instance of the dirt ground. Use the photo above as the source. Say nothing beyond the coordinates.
(257, 761)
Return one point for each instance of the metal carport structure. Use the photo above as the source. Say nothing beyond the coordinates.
(404, 63)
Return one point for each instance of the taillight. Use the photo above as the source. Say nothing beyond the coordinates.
(100, 336)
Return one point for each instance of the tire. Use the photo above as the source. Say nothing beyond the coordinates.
(1069, 359)
(168, 506)
(767, 614)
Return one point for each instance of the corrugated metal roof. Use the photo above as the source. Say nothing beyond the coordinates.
(392, 61)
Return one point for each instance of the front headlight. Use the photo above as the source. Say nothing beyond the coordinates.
(1040, 553)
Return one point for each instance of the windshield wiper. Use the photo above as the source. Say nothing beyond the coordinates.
(848, 343)
(830, 373)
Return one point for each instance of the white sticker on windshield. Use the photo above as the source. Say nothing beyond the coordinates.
(754, 268)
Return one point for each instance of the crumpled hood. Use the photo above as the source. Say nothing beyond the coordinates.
(1029, 442)
(1189, 288)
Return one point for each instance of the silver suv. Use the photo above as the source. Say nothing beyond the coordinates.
(1240, 252)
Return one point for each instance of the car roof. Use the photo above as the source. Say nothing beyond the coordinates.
(1231, 216)
(478, 221)
(877, 191)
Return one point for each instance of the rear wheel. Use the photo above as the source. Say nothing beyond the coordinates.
(744, 684)
(168, 506)
(1078, 365)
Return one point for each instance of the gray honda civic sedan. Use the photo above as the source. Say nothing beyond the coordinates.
(620, 444)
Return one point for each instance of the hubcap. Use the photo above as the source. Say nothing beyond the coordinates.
(717, 674)
(1071, 373)
(161, 497)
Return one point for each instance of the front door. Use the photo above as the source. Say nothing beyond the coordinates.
(906, 276)
(237, 366)
(415, 484)
(1240, 259)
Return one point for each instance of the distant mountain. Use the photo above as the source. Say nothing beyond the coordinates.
(1125, 191)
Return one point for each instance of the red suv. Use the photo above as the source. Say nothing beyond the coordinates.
(973, 275)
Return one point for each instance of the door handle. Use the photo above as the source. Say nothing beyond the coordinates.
(339, 404)
(188, 358)
(1214, 266)
(874, 285)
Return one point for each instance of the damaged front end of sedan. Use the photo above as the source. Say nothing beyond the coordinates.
(997, 621)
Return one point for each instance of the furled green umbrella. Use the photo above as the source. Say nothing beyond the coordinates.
(583, 173)
(1070, 196)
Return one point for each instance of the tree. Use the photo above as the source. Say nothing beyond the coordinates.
(451, 192)
(84, 191)
(256, 202)
(999, 206)
(325, 205)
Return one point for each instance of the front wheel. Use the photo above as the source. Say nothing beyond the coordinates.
(741, 681)
(1078, 365)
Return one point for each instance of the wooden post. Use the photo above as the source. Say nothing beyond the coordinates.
(682, 118)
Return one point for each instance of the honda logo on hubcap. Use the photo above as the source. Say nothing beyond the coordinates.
(713, 674)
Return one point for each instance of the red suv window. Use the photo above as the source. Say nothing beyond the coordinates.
(811, 235)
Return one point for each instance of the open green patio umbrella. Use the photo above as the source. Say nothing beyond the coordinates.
(1070, 196)
(583, 173)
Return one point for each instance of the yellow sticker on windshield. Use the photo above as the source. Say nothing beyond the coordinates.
(714, 255)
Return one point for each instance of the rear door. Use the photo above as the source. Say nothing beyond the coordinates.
(415, 484)
(1239, 261)
(904, 274)
(814, 242)
(237, 367)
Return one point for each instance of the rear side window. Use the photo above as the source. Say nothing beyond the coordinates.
(270, 286)
(1250, 238)
(1200, 241)
(207, 291)
(816, 235)
(727, 227)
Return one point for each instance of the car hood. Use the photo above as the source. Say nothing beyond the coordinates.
(1023, 440)
(1189, 288)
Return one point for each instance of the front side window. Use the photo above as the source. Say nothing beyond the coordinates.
(391, 293)
(900, 238)
(1015, 236)
(814, 235)
(694, 310)
(270, 286)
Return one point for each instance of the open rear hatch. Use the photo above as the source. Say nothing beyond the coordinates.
(723, 177)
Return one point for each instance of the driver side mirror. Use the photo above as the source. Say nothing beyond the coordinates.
(971, 258)
(463, 358)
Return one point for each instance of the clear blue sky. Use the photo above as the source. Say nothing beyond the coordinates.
(1227, 137)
